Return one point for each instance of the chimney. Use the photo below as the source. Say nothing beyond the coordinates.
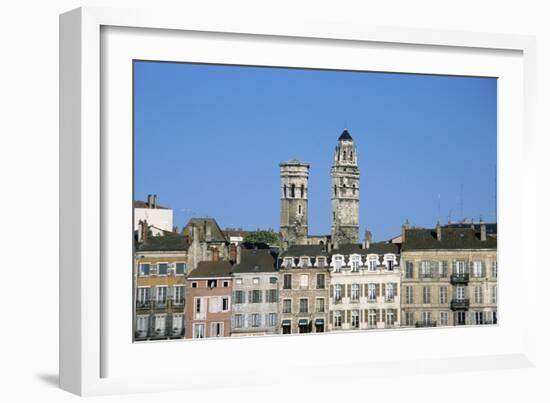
(483, 229)
(149, 202)
(404, 227)
(194, 233)
(438, 231)
(329, 247)
(239, 251)
(144, 229)
(367, 240)
(208, 235)
(155, 201)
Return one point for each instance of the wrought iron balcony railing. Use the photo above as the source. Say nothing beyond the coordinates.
(460, 278)
(460, 304)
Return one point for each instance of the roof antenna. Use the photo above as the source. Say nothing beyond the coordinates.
(439, 207)
(461, 204)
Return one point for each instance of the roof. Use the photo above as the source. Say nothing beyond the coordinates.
(142, 204)
(170, 241)
(451, 238)
(491, 228)
(374, 247)
(345, 136)
(211, 269)
(305, 250)
(255, 261)
(294, 162)
(216, 234)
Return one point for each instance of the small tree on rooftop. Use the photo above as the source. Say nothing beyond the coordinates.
(269, 237)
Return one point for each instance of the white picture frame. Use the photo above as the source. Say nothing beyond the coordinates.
(92, 352)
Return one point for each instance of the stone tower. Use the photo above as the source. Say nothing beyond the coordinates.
(294, 197)
(345, 192)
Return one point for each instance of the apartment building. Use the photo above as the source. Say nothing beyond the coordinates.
(365, 284)
(255, 293)
(208, 311)
(159, 292)
(303, 289)
(449, 276)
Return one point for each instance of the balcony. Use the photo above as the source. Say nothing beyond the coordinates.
(460, 278)
(460, 304)
(169, 305)
(426, 323)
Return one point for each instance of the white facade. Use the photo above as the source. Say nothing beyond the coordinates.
(158, 219)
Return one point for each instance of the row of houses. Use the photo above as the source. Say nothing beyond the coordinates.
(198, 284)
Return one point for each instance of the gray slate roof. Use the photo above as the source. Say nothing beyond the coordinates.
(375, 247)
(216, 233)
(345, 136)
(451, 238)
(305, 250)
(170, 241)
(211, 269)
(255, 261)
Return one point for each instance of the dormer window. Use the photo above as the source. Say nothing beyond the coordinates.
(373, 262)
(321, 262)
(355, 263)
(390, 262)
(338, 263)
(212, 283)
(287, 262)
(304, 262)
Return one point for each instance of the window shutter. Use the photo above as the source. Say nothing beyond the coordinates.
(383, 314)
(383, 289)
(331, 317)
(361, 315)
(395, 289)
(366, 315)
(332, 291)
(444, 268)
(483, 268)
(261, 292)
(377, 289)
(361, 290)
(249, 296)
(348, 316)
(471, 265)
(349, 290)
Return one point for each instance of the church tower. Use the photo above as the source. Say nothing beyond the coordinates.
(294, 197)
(345, 192)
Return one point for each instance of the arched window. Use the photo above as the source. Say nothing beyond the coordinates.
(302, 191)
(354, 188)
(284, 191)
(299, 209)
(351, 155)
(344, 155)
(335, 190)
(293, 190)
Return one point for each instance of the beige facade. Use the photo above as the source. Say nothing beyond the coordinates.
(449, 278)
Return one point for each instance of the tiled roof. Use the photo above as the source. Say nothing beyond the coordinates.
(211, 269)
(216, 234)
(451, 238)
(255, 261)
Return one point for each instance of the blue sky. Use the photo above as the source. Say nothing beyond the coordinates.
(209, 139)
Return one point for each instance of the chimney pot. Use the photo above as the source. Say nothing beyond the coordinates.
(155, 201)
(438, 231)
(483, 234)
(149, 202)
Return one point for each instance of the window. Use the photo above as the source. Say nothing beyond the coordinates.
(355, 319)
(271, 319)
(460, 293)
(143, 295)
(214, 304)
(217, 329)
(337, 293)
(144, 269)
(460, 267)
(299, 209)
(194, 284)
(238, 281)
(287, 306)
(444, 318)
(372, 317)
(287, 262)
(255, 296)
(238, 321)
(460, 318)
(337, 319)
(293, 190)
(478, 295)
(304, 262)
(355, 263)
(284, 191)
(373, 261)
(142, 325)
(198, 305)
(443, 297)
(212, 283)
(255, 280)
(355, 293)
(321, 261)
(389, 292)
(478, 317)
(161, 295)
(320, 281)
(409, 267)
(226, 284)
(178, 295)
(303, 280)
(354, 189)
(409, 295)
(338, 262)
(287, 281)
(225, 304)
(478, 269)
(320, 305)
(181, 268)
(163, 269)
(426, 295)
(494, 269)
(302, 192)
(239, 297)
(426, 317)
(272, 280)
(425, 269)
(391, 317)
(160, 324)
(371, 292)
(494, 296)
(177, 323)
(303, 305)
(390, 260)
(409, 318)
(271, 296)
(255, 320)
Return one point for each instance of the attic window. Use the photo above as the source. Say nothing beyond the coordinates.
(212, 283)
(194, 284)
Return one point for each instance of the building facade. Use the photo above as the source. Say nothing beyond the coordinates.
(303, 289)
(160, 284)
(345, 192)
(255, 293)
(208, 243)
(208, 310)
(364, 287)
(294, 202)
(157, 217)
(449, 276)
